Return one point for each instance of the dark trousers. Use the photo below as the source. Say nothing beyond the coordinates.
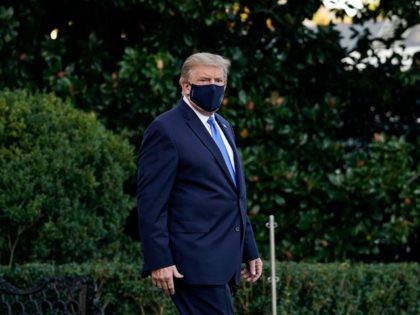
(203, 299)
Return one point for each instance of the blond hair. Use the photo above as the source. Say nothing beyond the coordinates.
(203, 59)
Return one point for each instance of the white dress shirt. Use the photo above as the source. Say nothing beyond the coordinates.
(203, 119)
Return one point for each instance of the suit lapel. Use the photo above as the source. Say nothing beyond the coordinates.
(201, 132)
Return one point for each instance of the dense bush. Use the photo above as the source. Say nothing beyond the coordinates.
(332, 151)
(302, 289)
(62, 180)
(341, 204)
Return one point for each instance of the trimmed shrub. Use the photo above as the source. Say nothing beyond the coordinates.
(302, 289)
(62, 180)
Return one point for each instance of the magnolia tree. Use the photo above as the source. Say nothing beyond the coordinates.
(330, 149)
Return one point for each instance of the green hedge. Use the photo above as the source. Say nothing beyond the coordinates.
(303, 288)
(62, 180)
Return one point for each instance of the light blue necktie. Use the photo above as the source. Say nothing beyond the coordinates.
(219, 141)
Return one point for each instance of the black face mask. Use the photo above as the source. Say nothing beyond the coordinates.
(208, 97)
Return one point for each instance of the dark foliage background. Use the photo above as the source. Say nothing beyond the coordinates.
(332, 151)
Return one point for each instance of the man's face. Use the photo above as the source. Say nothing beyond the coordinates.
(203, 75)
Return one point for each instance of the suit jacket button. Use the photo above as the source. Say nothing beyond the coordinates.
(237, 229)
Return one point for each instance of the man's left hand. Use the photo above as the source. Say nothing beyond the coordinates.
(253, 270)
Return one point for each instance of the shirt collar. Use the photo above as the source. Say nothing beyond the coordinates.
(202, 117)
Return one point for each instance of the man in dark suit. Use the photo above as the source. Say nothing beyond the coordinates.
(194, 228)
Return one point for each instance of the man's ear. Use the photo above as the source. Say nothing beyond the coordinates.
(186, 87)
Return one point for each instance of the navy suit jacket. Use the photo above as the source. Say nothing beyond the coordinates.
(190, 213)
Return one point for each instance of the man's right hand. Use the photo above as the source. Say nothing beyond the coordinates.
(164, 278)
